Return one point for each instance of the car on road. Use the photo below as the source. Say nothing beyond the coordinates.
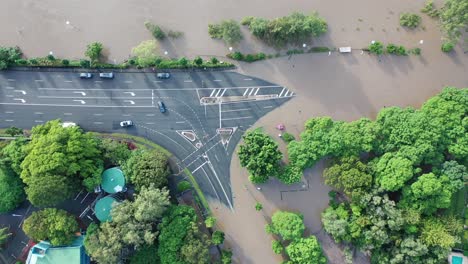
(106, 75)
(162, 107)
(126, 123)
(163, 75)
(86, 75)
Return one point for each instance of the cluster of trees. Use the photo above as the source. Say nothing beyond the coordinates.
(227, 30)
(454, 18)
(289, 226)
(398, 173)
(8, 56)
(281, 31)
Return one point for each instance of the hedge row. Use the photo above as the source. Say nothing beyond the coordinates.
(239, 56)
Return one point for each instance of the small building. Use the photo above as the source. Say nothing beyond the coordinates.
(44, 253)
(113, 180)
(103, 207)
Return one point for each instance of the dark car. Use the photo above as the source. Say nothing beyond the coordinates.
(162, 107)
(106, 75)
(126, 123)
(163, 75)
(86, 75)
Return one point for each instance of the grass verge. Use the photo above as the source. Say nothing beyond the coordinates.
(200, 194)
(142, 141)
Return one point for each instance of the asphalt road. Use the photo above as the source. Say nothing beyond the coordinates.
(198, 103)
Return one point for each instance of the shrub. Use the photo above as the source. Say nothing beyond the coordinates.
(392, 48)
(93, 51)
(319, 49)
(21, 62)
(65, 62)
(175, 34)
(277, 247)
(401, 51)
(294, 51)
(85, 63)
(226, 257)
(287, 137)
(33, 61)
(155, 30)
(236, 56)
(376, 48)
(447, 46)
(214, 60)
(247, 20)
(183, 61)
(8, 56)
(183, 186)
(217, 238)
(198, 61)
(228, 30)
(13, 131)
(258, 206)
(215, 31)
(50, 57)
(210, 221)
(415, 51)
(410, 20)
(131, 61)
(430, 9)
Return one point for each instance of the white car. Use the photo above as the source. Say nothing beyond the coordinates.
(126, 123)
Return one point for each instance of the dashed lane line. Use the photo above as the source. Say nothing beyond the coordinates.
(98, 123)
(268, 106)
(236, 110)
(38, 121)
(236, 118)
(38, 113)
(9, 112)
(67, 114)
(9, 120)
(97, 114)
(11, 80)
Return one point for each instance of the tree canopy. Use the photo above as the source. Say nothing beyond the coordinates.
(51, 224)
(144, 168)
(146, 53)
(305, 250)
(260, 155)
(454, 17)
(227, 30)
(114, 152)
(57, 160)
(11, 190)
(288, 225)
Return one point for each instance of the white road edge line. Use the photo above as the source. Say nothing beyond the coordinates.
(236, 118)
(67, 114)
(199, 167)
(180, 122)
(268, 106)
(235, 110)
(247, 79)
(38, 113)
(97, 123)
(9, 120)
(9, 112)
(188, 81)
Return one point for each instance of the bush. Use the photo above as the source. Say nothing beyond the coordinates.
(215, 31)
(175, 34)
(415, 51)
(258, 206)
(198, 61)
(294, 51)
(447, 46)
(430, 9)
(33, 61)
(376, 48)
(21, 62)
(65, 62)
(217, 238)
(287, 137)
(214, 60)
(226, 257)
(319, 49)
(183, 61)
(410, 20)
(247, 20)
(247, 57)
(236, 56)
(8, 56)
(277, 247)
(131, 61)
(155, 30)
(401, 51)
(13, 131)
(228, 30)
(50, 57)
(392, 48)
(93, 51)
(210, 221)
(85, 63)
(183, 186)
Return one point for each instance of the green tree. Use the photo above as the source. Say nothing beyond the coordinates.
(258, 206)
(144, 168)
(260, 155)
(57, 159)
(447, 46)
(210, 221)
(350, 175)
(305, 250)
(4, 235)
(13, 154)
(456, 173)
(11, 190)
(410, 20)
(155, 30)
(454, 17)
(104, 243)
(114, 152)
(93, 51)
(277, 247)
(198, 61)
(145, 255)
(288, 225)
(336, 223)
(228, 30)
(217, 238)
(146, 53)
(8, 56)
(393, 171)
(51, 224)
(226, 257)
(183, 61)
(376, 48)
(434, 233)
(13, 131)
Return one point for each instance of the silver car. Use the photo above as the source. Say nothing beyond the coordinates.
(163, 75)
(106, 75)
(126, 123)
(86, 75)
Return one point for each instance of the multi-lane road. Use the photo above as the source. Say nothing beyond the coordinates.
(207, 112)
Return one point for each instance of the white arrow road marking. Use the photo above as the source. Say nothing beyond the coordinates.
(130, 93)
(82, 93)
(81, 101)
(20, 91)
(19, 99)
(129, 101)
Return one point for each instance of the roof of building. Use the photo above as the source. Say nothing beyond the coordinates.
(103, 208)
(457, 260)
(113, 180)
(45, 253)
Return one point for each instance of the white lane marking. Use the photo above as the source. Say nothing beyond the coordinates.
(130, 101)
(212, 186)
(251, 91)
(9, 120)
(149, 114)
(9, 87)
(150, 123)
(216, 157)
(237, 118)
(128, 81)
(81, 101)
(236, 110)
(130, 93)
(82, 93)
(180, 122)
(97, 123)
(247, 79)
(188, 81)
(165, 89)
(246, 91)
(9, 112)
(268, 106)
(11, 80)
(20, 91)
(98, 81)
(20, 99)
(214, 90)
(279, 95)
(38, 121)
(79, 105)
(217, 81)
(126, 115)
(97, 114)
(38, 113)
(9, 95)
(101, 97)
(68, 81)
(286, 93)
(38, 80)
(223, 93)
(217, 93)
(67, 114)
(221, 185)
(158, 81)
(199, 167)
(258, 89)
